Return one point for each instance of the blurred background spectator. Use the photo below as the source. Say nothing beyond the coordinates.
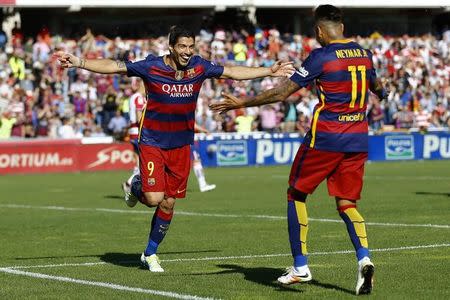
(47, 101)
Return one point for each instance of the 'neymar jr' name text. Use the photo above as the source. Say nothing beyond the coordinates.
(351, 53)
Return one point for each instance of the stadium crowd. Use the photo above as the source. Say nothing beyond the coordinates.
(39, 99)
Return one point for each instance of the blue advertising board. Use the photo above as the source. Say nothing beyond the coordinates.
(277, 149)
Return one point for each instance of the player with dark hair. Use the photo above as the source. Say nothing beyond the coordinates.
(335, 148)
(172, 83)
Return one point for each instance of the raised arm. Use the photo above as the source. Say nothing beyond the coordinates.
(279, 69)
(104, 66)
(276, 94)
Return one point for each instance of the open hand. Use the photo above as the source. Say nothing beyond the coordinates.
(282, 69)
(229, 102)
(67, 60)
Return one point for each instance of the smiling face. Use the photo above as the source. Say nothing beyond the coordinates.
(182, 51)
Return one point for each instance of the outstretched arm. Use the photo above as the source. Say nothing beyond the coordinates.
(105, 66)
(279, 93)
(278, 69)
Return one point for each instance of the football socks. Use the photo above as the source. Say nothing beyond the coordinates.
(160, 225)
(298, 230)
(356, 230)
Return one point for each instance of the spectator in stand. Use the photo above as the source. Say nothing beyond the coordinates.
(418, 68)
(118, 125)
(66, 131)
(268, 117)
(375, 115)
(109, 106)
(422, 120)
(6, 124)
(290, 115)
(244, 122)
(3, 39)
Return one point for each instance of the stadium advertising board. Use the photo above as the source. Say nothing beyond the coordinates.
(399, 147)
(232, 153)
(266, 149)
(45, 156)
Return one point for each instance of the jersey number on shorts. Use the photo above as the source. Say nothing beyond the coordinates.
(150, 168)
(362, 70)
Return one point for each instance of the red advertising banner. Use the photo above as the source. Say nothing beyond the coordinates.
(7, 2)
(97, 157)
(63, 156)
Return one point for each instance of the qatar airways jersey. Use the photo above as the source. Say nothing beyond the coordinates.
(343, 72)
(137, 102)
(172, 95)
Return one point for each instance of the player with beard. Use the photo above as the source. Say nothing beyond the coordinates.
(172, 83)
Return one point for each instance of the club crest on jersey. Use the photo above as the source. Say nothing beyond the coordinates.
(179, 75)
(151, 181)
(191, 73)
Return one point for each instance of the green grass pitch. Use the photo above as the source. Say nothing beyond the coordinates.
(70, 236)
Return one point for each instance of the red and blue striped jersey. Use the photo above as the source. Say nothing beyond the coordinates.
(343, 72)
(169, 115)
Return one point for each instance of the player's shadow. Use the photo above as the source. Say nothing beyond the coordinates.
(113, 197)
(266, 276)
(433, 194)
(132, 260)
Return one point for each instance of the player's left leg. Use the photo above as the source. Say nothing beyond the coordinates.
(356, 229)
(346, 184)
(177, 166)
(159, 227)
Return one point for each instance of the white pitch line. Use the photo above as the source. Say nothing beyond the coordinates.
(186, 213)
(212, 258)
(103, 284)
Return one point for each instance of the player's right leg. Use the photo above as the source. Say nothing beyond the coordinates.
(298, 229)
(346, 184)
(149, 186)
(309, 169)
(126, 185)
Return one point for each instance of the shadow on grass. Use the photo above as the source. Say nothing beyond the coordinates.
(134, 259)
(113, 197)
(122, 259)
(433, 194)
(267, 277)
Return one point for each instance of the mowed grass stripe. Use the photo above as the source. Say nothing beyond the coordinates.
(218, 258)
(103, 284)
(186, 213)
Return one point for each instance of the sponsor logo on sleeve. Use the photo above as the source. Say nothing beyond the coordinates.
(302, 72)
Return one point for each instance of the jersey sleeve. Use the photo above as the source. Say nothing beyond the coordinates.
(139, 68)
(211, 70)
(310, 69)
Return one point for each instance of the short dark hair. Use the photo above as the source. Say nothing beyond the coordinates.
(176, 32)
(328, 12)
